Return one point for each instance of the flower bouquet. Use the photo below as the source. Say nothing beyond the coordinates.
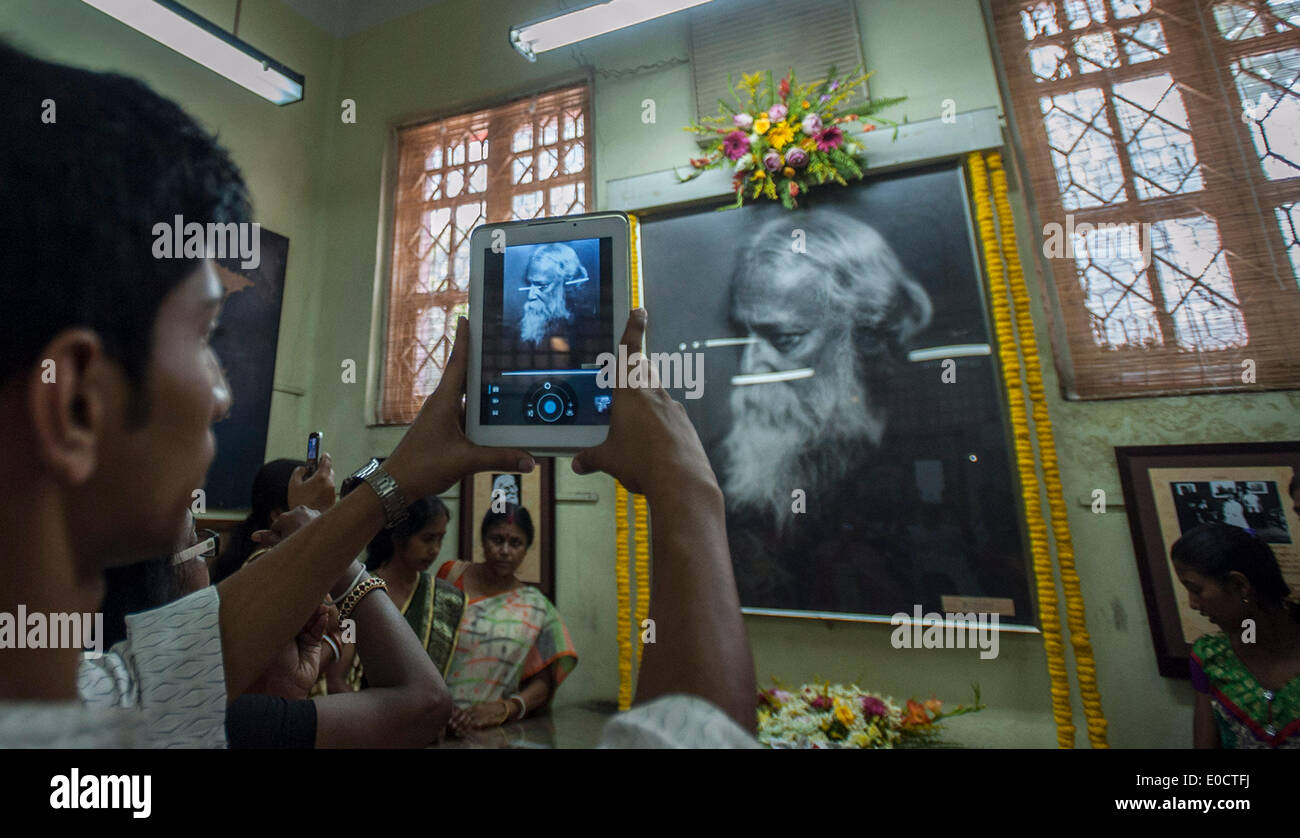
(781, 139)
(838, 716)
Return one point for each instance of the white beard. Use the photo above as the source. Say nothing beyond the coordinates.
(538, 317)
(796, 435)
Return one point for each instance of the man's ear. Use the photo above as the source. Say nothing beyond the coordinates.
(68, 401)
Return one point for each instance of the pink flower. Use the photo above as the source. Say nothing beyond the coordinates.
(829, 139)
(872, 706)
(796, 157)
(777, 112)
(772, 160)
(821, 702)
(812, 123)
(743, 121)
(735, 145)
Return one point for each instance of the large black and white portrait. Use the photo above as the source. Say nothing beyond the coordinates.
(851, 406)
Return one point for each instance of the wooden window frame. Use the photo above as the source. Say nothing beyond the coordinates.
(1198, 59)
(498, 206)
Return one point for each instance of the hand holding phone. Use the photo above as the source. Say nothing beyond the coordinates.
(313, 452)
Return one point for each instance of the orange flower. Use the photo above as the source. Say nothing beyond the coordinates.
(788, 172)
(805, 103)
(916, 714)
(934, 705)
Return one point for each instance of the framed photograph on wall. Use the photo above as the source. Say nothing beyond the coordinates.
(1169, 489)
(851, 404)
(536, 493)
(246, 345)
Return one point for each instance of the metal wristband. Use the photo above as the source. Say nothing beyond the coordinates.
(390, 496)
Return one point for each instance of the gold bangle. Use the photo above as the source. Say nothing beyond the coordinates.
(352, 600)
(505, 705)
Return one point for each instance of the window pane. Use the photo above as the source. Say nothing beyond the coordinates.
(432, 186)
(575, 159)
(1083, 151)
(1157, 136)
(478, 178)
(572, 125)
(1049, 63)
(1080, 13)
(1288, 219)
(1144, 42)
(455, 182)
(547, 162)
(1039, 19)
(1130, 8)
(526, 205)
(521, 169)
(523, 138)
(1269, 87)
(1114, 278)
(1096, 52)
(1248, 19)
(1193, 273)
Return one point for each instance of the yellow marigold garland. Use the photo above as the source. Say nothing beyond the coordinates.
(1085, 663)
(641, 570)
(629, 652)
(1025, 462)
(621, 579)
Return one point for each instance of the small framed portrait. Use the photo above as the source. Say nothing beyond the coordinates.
(1169, 489)
(536, 493)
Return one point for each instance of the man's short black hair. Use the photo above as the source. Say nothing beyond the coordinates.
(81, 194)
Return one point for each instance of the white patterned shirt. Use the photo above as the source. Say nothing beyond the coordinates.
(170, 667)
(675, 721)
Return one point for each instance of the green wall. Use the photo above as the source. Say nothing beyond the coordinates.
(320, 182)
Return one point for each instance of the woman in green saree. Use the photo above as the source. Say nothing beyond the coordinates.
(403, 558)
(1248, 675)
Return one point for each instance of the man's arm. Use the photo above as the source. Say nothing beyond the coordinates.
(263, 606)
(407, 704)
(701, 646)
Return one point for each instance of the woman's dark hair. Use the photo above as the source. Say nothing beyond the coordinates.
(270, 492)
(419, 515)
(134, 588)
(1216, 550)
(513, 514)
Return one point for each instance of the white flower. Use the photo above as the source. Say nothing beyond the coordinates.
(745, 162)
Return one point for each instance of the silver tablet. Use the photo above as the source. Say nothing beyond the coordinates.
(548, 300)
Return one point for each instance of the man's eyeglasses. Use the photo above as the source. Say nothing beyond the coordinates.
(206, 549)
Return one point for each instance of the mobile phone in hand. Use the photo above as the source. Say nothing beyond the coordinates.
(313, 452)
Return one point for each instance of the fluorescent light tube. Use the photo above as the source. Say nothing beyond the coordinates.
(590, 21)
(201, 40)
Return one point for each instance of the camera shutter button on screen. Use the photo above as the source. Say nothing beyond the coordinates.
(551, 402)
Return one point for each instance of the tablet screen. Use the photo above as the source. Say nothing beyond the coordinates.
(547, 318)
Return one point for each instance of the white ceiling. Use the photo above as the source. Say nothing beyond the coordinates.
(342, 18)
